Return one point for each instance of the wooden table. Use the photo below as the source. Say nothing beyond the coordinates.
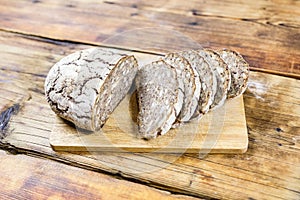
(36, 34)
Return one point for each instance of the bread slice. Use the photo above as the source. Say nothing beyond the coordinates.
(208, 84)
(86, 86)
(191, 85)
(239, 70)
(221, 73)
(160, 98)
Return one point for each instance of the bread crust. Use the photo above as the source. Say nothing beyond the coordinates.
(74, 84)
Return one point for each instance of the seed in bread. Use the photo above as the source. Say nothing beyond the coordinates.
(86, 86)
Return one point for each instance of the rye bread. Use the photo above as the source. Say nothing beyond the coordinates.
(159, 98)
(86, 86)
(191, 85)
(206, 78)
(221, 73)
(239, 70)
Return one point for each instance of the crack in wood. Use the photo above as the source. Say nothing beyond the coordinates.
(109, 2)
(66, 42)
(5, 117)
(113, 173)
(261, 21)
(23, 72)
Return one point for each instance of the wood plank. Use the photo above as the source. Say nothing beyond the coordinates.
(266, 32)
(222, 130)
(272, 106)
(24, 177)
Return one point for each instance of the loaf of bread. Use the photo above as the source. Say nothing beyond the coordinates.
(86, 86)
(209, 78)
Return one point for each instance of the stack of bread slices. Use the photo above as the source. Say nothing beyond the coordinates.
(85, 87)
(184, 86)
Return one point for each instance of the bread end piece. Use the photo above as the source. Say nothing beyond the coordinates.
(75, 82)
(239, 70)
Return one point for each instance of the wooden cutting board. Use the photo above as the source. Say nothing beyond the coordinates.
(222, 130)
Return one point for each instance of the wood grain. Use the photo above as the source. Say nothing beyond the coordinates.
(266, 32)
(222, 130)
(24, 177)
(269, 169)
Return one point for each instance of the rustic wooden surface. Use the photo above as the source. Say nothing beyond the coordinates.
(272, 112)
(266, 32)
(45, 179)
(222, 130)
(35, 34)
